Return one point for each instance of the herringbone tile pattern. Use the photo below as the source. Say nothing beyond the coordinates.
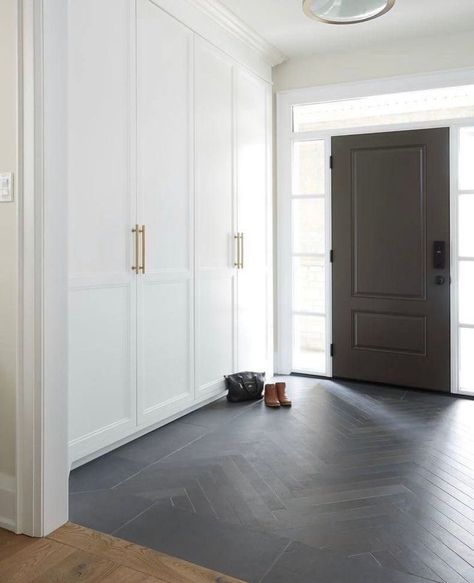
(353, 483)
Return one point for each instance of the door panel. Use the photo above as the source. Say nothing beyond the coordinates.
(102, 201)
(99, 361)
(215, 223)
(164, 140)
(251, 158)
(166, 345)
(389, 229)
(391, 312)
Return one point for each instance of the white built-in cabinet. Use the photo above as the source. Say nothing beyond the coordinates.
(169, 210)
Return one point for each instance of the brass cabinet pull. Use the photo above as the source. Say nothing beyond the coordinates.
(143, 234)
(237, 261)
(136, 231)
(241, 250)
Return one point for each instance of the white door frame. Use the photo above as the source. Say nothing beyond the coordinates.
(41, 426)
(285, 139)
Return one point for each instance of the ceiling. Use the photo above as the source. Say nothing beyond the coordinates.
(283, 24)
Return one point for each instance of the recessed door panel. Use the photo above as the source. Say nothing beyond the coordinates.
(215, 219)
(390, 224)
(165, 203)
(389, 221)
(166, 344)
(102, 337)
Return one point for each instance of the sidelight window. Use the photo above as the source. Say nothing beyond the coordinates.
(309, 257)
(465, 259)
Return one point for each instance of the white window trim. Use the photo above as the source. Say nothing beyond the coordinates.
(285, 138)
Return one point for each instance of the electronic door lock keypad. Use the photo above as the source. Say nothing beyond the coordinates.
(439, 255)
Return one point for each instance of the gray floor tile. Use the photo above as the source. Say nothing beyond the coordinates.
(304, 564)
(161, 443)
(233, 550)
(105, 510)
(104, 472)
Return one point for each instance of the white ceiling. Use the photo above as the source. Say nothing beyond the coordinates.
(283, 24)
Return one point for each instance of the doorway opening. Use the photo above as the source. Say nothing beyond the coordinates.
(307, 122)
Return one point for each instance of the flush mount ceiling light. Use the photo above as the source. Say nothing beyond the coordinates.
(346, 11)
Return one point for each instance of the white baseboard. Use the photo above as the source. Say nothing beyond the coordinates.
(7, 502)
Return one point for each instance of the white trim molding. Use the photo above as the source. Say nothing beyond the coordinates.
(41, 443)
(235, 26)
(220, 27)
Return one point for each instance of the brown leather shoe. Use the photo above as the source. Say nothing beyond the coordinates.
(271, 399)
(281, 395)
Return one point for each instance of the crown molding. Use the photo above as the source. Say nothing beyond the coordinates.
(235, 26)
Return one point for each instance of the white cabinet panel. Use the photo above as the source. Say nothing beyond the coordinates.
(100, 197)
(101, 367)
(165, 201)
(254, 303)
(215, 325)
(165, 117)
(215, 224)
(102, 201)
(166, 347)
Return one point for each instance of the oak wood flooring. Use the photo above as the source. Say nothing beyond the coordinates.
(75, 553)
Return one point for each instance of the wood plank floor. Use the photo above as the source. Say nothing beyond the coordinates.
(354, 483)
(74, 553)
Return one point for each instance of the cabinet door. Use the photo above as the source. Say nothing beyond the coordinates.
(165, 194)
(215, 227)
(102, 320)
(252, 160)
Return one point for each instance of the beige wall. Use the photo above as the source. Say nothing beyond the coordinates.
(424, 55)
(8, 236)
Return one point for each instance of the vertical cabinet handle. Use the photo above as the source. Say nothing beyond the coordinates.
(143, 234)
(237, 261)
(136, 231)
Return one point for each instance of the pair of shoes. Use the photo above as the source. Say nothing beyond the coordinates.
(275, 396)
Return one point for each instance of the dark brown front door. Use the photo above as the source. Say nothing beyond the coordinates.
(390, 230)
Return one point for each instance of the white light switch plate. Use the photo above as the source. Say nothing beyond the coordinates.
(6, 187)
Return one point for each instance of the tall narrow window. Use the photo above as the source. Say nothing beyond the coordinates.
(309, 257)
(466, 259)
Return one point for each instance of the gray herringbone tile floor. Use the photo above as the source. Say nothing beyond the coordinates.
(354, 483)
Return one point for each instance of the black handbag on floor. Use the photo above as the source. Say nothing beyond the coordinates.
(245, 386)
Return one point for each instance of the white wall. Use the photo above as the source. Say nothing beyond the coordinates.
(8, 258)
(404, 58)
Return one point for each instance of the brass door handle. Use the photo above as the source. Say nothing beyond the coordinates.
(143, 234)
(136, 231)
(241, 250)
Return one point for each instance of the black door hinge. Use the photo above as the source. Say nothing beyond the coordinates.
(331, 161)
(331, 256)
(332, 350)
